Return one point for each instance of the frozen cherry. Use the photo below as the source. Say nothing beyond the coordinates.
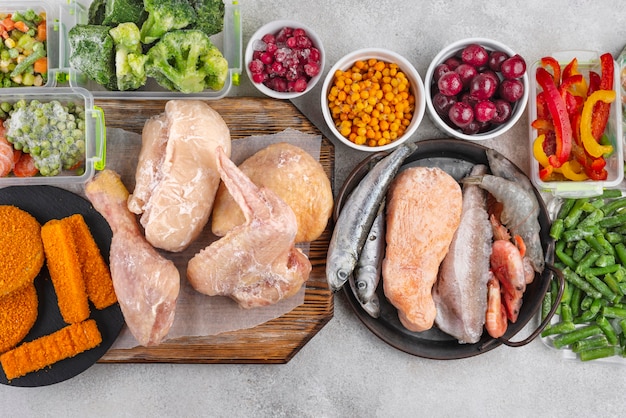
(461, 114)
(467, 72)
(475, 55)
(452, 63)
(511, 90)
(503, 111)
(495, 59)
(513, 67)
(482, 87)
(450, 83)
(443, 103)
(484, 111)
(439, 71)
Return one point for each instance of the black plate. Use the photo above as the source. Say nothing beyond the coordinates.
(455, 157)
(45, 203)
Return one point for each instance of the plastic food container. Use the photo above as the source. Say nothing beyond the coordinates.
(95, 133)
(229, 42)
(587, 61)
(52, 31)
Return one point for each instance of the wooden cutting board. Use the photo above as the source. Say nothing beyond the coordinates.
(278, 340)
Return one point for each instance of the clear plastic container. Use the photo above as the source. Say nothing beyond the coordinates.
(52, 30)
(95, 133)
(587, 61)
(229, 42)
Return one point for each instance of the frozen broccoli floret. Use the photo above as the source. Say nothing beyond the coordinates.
(187, 61)
(93, 54)
(129, 59)
(210, 15)
(122, 11)
(95, 15)
(165, 16)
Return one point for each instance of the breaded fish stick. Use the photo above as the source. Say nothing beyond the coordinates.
(96, 274)
(65, 271)
(44, 351)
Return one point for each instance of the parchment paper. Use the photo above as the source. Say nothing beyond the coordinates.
(198, 314)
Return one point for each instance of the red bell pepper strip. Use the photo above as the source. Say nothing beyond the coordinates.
(558, 110)
(555, 66)
(542, 107)
(594, 82)
(602, 109)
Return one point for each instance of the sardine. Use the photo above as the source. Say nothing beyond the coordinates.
(357, 216)
(367, 273)
(520, 212)
(460, 293)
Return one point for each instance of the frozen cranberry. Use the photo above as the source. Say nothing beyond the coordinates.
(256, 66)
(269, 38)
(311, 69)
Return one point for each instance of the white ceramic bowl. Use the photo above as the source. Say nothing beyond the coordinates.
(274, 27)
(450, 51)
(417, 88)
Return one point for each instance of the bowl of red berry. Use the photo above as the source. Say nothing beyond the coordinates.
(476, 89)
(284, 59)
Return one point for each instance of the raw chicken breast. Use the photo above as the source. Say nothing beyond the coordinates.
(255, 263)
(423, 212)
(148, 172)
(460, 293)
(179, 205)
(146, 284)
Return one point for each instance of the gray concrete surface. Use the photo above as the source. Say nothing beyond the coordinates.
(346, 371)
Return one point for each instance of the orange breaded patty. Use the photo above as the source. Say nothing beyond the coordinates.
(18, 313)
(21, 248)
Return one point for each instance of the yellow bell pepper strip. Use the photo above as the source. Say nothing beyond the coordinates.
(560, 117)
(603, 109)
(591, 145)
(573, 171)
(547, 170)
(554, 65)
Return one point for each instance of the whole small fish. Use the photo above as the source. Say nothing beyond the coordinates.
(368, 268)
(357, 216)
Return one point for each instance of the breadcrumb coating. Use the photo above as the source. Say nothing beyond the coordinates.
(96, 274)
(18, 313)
(65, 271)
(21, 249)
(49, 349)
